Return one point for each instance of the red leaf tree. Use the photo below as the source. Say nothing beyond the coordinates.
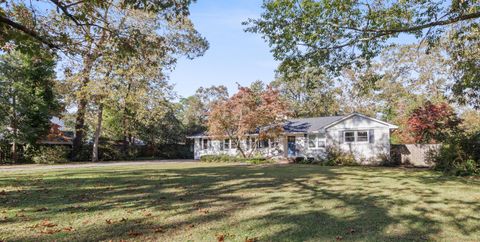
(432, 123)
(248, 112)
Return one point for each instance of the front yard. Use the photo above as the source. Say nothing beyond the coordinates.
(210, 202)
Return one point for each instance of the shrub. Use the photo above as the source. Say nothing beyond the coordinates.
(50, 155)
(459, 155)
(305, 160)
(337, 157)
(219, 158)
(229, 158)
(257, 160)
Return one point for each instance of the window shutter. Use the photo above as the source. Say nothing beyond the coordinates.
(371, 134)
(340, 137)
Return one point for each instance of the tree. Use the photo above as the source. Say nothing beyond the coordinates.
(27, 100)
(156, 36)
(244, 114)
(195, 109)
(471, 121)
(464, 51)
(340, 33)
(402, 79)
(433, 122)
(309, 92)
(22, 19)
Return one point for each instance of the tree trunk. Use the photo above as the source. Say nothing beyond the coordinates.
(124, 122)
(14, 129)
(239, 147)
(81, 109)
(97, 133)
(82, 99)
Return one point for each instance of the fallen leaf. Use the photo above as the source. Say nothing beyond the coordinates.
(134, 234)
(68, 229)
(47, 223)
(108, 221)
(339, 238)
(148, 214)
(254, 239)
(191, 225)
(158, 230)
(3, 192)
(204, 211)
(220, 237)
(123, 220)
(41, 209)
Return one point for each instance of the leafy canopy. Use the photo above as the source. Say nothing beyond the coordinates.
(336, 33)
(433, 122)
(248, 112)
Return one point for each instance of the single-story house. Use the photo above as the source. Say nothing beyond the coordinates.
(367, 138)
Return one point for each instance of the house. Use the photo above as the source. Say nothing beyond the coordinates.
(365, 137)
(58, 134)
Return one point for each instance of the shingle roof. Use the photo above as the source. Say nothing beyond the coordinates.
(304, 125)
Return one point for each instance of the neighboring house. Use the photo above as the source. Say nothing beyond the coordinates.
(58, 134)
(367, 138)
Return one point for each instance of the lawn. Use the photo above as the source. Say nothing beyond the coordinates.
(210, 202)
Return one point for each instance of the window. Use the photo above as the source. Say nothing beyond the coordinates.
(356, 136)
(316, 141)
(263, 144)
(362, 136)
(349, 136)
(274, 143)
(226, 144)
(205, 144)
(221, 146)
(312, 140)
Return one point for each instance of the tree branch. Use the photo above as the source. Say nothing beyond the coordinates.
(384, 32)
(28, 31)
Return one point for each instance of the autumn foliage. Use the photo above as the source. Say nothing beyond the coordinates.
(248, 112)
(433, 122)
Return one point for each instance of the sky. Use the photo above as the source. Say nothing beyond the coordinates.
(234, 56)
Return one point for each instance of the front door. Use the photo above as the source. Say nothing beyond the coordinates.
(292, 149)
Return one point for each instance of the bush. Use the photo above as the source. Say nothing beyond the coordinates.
(257, 160)
(50, 155)
(337, 157)
(218, 158)
(305, 160)
(231, 159)
(459, 155)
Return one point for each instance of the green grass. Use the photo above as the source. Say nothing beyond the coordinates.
(198, 202)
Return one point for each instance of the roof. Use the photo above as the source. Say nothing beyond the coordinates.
(311, 125)
(306, 125)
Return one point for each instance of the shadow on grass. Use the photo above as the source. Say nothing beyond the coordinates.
(316, 203)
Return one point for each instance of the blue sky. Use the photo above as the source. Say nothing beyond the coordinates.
(234, 55)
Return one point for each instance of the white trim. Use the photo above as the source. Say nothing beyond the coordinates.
(317, 140)
(355, 136)
(391, 126)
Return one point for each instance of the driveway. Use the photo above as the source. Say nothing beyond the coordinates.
(87, 165)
